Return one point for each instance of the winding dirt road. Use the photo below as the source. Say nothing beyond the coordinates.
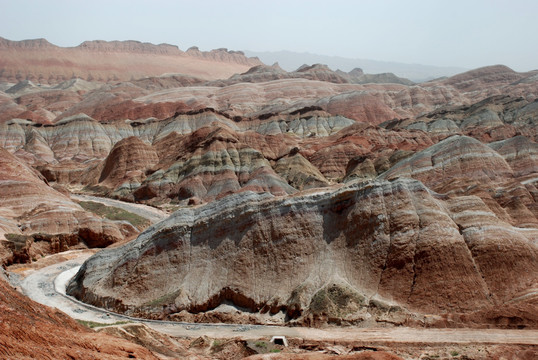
(47, 286)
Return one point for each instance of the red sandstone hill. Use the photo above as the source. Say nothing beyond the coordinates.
(32, 331)
(439, 215)
(42, 62)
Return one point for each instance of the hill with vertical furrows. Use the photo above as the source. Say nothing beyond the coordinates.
(305, 197)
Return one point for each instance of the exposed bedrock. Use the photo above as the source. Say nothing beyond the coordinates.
(460, 165)
(30, 210)
(495, 118)
(340, 255)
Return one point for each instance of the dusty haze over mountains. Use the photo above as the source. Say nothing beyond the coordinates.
(290, 60)
(458, 33)
(320, 197)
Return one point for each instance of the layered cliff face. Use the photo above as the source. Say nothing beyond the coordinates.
(308, 196)
(252, 153)
(206, 155)
(354, 254)
(464, 166)
(37, 220)
(259, 93)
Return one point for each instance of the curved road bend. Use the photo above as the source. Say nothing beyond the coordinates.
(47, 286)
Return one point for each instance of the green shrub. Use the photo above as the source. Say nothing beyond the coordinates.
(94, 324)
(217, 346)
(114, 213)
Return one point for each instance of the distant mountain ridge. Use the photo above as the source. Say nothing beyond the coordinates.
(41, 62)
(290, 61)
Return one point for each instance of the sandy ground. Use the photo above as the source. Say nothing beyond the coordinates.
(47, 286)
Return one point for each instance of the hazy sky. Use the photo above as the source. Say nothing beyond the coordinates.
(464, 33)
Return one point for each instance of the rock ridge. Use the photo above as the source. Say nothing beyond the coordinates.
(377, 244)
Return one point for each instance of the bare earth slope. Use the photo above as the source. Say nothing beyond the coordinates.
(32, 210)
(32, 331)
(306, 197)
(350, 254)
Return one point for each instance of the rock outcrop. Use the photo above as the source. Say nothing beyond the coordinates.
(29, 330)
(213, 162)
(126, 165)
(464, 166)
(73, 150)
(318, 72)
(38, 220)
(308, 196)
(345, 255)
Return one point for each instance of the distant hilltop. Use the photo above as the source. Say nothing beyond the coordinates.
(290, 60)
(42, 62)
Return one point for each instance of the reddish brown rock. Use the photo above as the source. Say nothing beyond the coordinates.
(520, 153)
(29, 330)
(332, 155)
(127, 163)
(478, 79)
(213, 162)
(30, 206)
(356, 254)
(464, 166)
(299, 172)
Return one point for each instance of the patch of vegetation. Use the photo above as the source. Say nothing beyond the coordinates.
(18, 240)
(454, 353)
(217, 345)
(260, 344)
(320, 302)
(164, 300)
(336, 301)
(114, 213)
(94, 324)
(275, 350)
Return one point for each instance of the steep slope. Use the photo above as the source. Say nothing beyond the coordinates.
(345, 255)
(32, 331)
(213, 162)
(32, 208)
(261, 93)
(494, 118)
(126, 165)
(72, 151)
(464, 166)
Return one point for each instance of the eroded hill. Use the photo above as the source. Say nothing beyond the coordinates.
(305, 197)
